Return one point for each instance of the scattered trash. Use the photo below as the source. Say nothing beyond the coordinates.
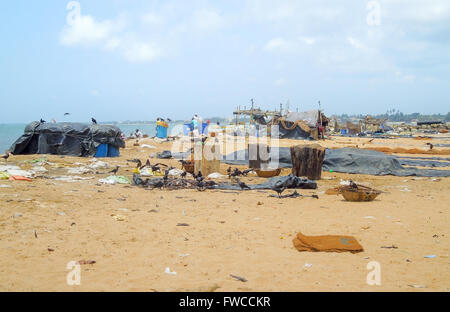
(70, 178)
(19, 178)
(83, 262)
(50, 249)
(98, 164)
(418, 286)
(241, 279)
(182, 224)
(307, 265)
(60, 213)
(390, 247)
(430, 256)
(118, 217)
(79, 170)
(216, 175)
(4, 176)
(148, 146)
(168, 271)
(17, 215)
(175, 172)
(115, 180)
(369, 217)
(4, 186)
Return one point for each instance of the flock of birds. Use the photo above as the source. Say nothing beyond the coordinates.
(199, 179)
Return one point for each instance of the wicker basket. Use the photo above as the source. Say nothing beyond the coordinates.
(359, 194)
(268, 173)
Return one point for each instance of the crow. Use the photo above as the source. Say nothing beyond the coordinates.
(246, 172)
(94, 121)
(160, 184)
(236, 172)
(6, 156)
(157, 167)
(243, 186)
(279, 188)
(115, 170)
(66, 114)
(42, 121)
(201, 186)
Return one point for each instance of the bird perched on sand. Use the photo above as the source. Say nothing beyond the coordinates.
(279, 188)
(246, 172)
(157, 167)
(431, 145)
(6, 156)
(94, 121)
(166, 176)
(115, 170)
(242, 185)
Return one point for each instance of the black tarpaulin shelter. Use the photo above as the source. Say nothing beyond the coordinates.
(66, 138)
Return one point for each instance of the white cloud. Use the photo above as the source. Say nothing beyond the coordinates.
(280, 82)
(355, 43)
(401, 77)
(138, 52)
(308, 40)
(86, 30)
(152, 19)
(280, 45)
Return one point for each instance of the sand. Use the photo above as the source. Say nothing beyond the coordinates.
(44, 224)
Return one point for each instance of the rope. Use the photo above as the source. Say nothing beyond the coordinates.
(301, 124)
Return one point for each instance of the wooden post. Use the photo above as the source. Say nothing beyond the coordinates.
(258, 163)
(307, 161)
(208, 161)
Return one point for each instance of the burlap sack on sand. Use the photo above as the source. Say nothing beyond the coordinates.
(329, 243)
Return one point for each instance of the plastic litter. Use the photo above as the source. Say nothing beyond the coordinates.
(115, 180)
(215, 175)
(430, 256)
(147, 146)
(175, 172)
(168, 271)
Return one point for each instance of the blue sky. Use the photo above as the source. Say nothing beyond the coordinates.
(138, 60)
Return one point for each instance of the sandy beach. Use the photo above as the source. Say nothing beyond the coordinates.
(44, 224)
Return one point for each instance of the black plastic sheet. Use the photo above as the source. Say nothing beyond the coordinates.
(74, 139)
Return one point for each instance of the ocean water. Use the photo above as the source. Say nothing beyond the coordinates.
(9, 133)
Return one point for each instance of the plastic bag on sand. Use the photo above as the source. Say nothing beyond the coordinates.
(16, 171)
(4, 175)
(115, 180)
(78, 170)
(98, 164)
(38, 169)
(146, 172)
(147, 146)
(175, 172)
(215, 175)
